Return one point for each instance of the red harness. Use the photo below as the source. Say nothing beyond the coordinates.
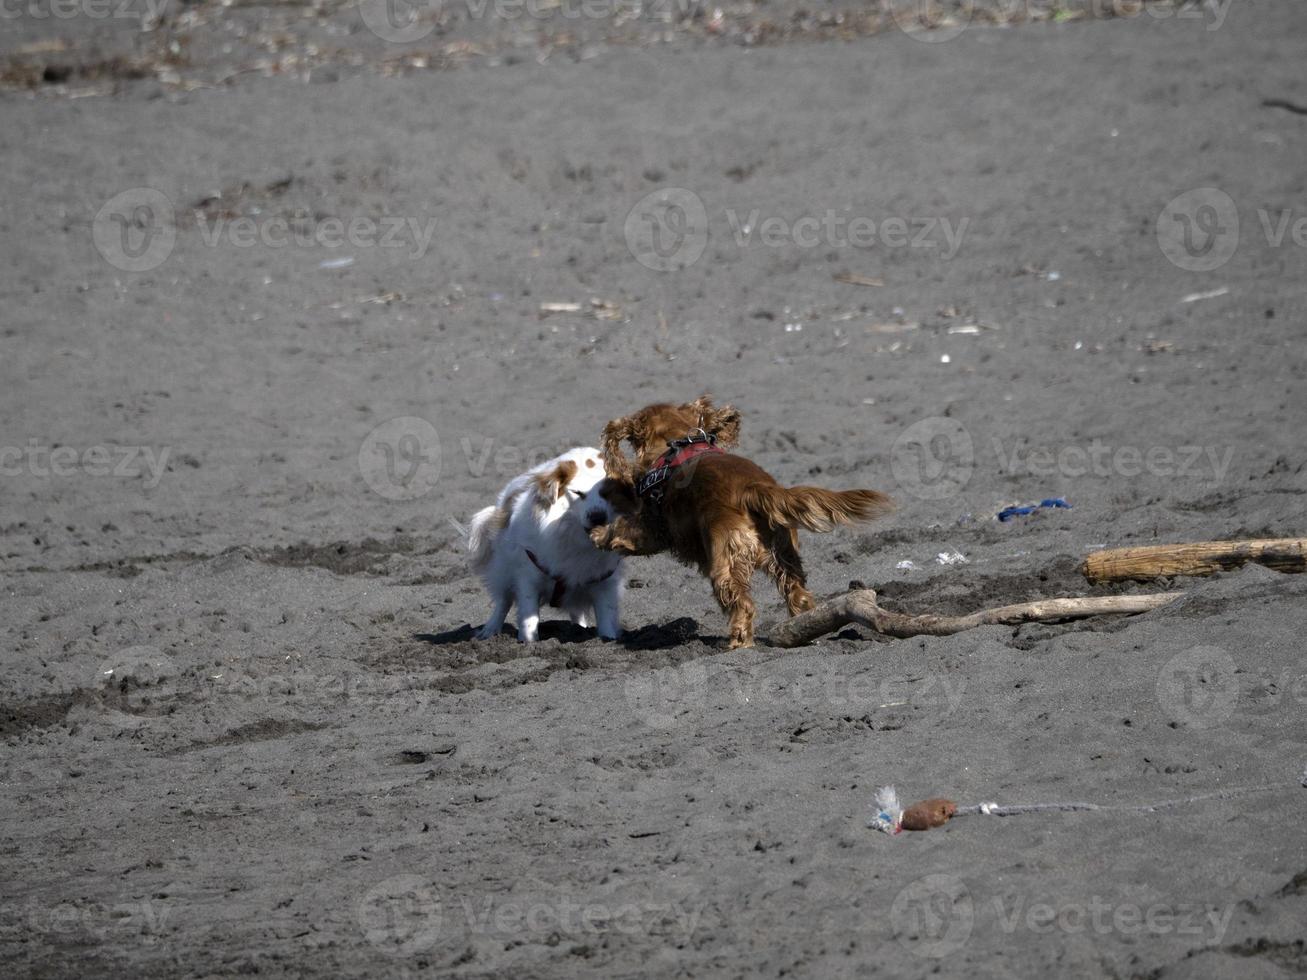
(679, 453)
(560, 583)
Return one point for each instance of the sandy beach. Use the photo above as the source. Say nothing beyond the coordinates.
(275, 327)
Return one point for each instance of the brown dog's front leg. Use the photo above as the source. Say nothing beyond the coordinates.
(626, 537)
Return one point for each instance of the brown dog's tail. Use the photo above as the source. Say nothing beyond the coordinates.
(813, 508)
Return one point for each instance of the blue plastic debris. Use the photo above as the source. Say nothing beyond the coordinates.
(1007, 513)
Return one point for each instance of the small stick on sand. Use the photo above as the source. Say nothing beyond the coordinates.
(547, 308)
(860, 607)
(857, 279)
(1198, 558)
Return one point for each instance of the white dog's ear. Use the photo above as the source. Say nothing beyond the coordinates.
(551, 483)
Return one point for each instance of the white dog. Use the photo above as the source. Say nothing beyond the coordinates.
(533, 546)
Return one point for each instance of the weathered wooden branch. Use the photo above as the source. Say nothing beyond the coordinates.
(1198, 558)
(1110, 565)
(860, 607)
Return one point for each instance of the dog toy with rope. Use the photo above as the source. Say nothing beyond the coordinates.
(891, 817)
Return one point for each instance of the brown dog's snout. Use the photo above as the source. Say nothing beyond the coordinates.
(595, 517)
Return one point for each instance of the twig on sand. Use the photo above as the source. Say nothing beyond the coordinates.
(857, 279)
(547, 308)
(859, 606)
(1293, 107)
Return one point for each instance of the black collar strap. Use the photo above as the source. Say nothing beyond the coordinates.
(560, 583)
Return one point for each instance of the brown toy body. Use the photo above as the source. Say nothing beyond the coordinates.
(927, 814)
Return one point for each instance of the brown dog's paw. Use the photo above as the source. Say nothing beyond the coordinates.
(740, 638)
(928, 813)
(800, 602)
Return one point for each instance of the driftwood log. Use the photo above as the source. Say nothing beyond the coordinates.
(1198, 558)
(859, 606)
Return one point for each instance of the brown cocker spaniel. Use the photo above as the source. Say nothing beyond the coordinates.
(719, 512)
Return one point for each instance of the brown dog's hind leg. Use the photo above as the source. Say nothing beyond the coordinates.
(734, 558)
(784, 565)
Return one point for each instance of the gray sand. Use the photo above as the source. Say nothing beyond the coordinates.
(243, 727)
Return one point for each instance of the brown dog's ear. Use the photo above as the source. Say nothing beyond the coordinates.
(723, 423)
(615, 462)
(550, 484)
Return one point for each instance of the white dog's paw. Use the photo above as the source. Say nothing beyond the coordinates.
(486, 633)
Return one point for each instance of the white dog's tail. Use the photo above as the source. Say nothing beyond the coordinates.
(485, 527)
